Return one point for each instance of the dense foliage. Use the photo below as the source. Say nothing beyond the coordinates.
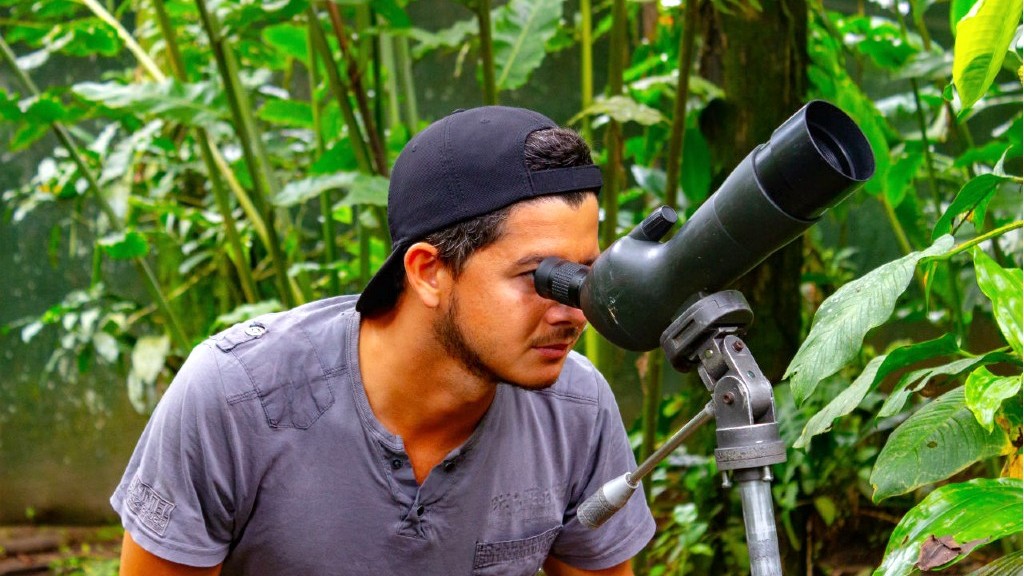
(233, 157)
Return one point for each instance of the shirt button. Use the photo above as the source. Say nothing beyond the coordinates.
(449, 465)
(396, 464)
(420, 511)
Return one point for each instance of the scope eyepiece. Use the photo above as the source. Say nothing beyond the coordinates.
(560, 280)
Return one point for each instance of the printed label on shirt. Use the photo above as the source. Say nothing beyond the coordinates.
(522, 504)
(152, 509)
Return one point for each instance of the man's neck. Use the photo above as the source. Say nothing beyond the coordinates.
(417, 390)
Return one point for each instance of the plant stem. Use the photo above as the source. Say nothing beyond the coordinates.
(586, 64)
(340, 91)
(613, 135)
(483, 16)
(983, 238)
(403, 64)
(326, 212)
(687, 40)
(252, 148)
(355, 82)
(151, 68)
(239, 255)
(173, 322)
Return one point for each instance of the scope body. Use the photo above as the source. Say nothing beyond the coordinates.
(636, 287)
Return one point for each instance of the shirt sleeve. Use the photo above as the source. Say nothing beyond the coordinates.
(178, 496)
(628, 531)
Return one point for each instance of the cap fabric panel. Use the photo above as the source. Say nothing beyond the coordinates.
(470, 163)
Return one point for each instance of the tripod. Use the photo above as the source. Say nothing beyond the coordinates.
(706, 337)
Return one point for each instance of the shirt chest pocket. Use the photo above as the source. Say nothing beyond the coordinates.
(513, 557)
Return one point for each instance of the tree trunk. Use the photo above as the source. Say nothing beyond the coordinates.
(760, 60)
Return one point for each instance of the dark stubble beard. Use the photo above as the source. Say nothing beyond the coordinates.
(449, 333)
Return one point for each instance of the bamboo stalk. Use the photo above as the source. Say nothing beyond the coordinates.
(239, 255)
(586, 64)
(326, 213)
(154, 71)
(403, 63)
(64, 136)
(687, 41)
(483, 16)
(340, 92)
(355, 83)
(252, 148)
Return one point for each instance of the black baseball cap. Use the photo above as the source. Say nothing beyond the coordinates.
(465, 165)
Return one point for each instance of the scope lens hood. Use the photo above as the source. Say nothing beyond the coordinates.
(813, 161)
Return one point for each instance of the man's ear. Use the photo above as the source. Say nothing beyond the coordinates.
(425, 274)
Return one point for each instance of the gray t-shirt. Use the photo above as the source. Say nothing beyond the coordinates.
(264, 454)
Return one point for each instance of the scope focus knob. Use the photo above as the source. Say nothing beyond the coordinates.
(656, 225)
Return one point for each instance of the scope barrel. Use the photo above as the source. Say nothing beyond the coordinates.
(637, 287)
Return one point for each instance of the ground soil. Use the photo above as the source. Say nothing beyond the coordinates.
(55, 549)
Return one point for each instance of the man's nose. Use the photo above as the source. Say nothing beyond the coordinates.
(560, 313)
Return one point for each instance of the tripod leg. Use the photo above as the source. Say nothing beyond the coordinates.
(759, 518)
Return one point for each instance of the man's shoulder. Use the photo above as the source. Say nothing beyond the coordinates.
(287, 361)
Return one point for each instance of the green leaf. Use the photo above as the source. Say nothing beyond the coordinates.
(622, 109)
(246, 311)
(972, 513)
(1009, 565)
(450, 37)
(974, 193)
(1003, 286)
(985, 393)
(873, 373)
(287, 113)
(521, 29)
(125, 245)
(363, 189)
(192, 104)
(290, 40)
(957, 10)
(918, 379)
(695, 168)
(148, 357)
(845, 317)
(983, 37)
(393, 12)
(936, 442)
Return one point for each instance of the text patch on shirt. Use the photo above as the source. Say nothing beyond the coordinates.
(526, 503)
(152, 509)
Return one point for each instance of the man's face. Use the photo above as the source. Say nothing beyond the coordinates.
(494, 322)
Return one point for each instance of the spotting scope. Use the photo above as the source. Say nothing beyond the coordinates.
(639, 285)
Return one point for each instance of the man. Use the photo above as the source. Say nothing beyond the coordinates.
(438, 425)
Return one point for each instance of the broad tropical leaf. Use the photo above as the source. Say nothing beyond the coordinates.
(845, 317)
(936, 442)
(960, 517)
(192, 104)
(622, 109)
(1009, 565)
(914, 381)
(1003, 286)
(972, 196)
(985, 393)
(522, 28)
(125, 245)
(983, 37)
(876, 370)
(364, 189)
